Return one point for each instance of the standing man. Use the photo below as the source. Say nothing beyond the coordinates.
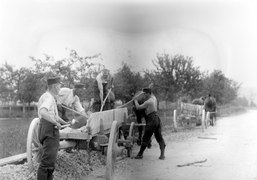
(69, 98)
(49, 126)
(210, 106)
(102, 84)
(153, 123)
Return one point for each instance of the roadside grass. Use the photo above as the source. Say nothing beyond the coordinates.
(13, 140)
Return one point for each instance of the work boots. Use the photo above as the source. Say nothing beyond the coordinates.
(162, 156)
(139, 156)
(140, 153)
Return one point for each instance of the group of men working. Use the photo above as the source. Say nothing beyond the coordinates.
(52, 107)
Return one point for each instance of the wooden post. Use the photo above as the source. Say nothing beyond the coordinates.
(23, 109)
(101, 127)
(10, 110)
(125, 118)
(207, 119)
(175, 119)
(203, 121)
(113, 115)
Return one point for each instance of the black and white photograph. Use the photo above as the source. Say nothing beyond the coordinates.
(128, 90)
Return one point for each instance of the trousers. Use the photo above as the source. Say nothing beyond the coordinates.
(153, 126)
(49, 137)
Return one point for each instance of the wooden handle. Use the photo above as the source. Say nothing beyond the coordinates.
(86, 116)
(130, 100)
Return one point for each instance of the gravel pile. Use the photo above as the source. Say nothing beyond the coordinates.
(70, 166)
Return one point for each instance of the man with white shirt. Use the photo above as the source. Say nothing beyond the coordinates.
(153, 123)
(49, 126)
(69, 99)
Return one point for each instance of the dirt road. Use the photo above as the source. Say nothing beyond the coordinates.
(224, 152)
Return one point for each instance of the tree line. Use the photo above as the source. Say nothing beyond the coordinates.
(174, 77)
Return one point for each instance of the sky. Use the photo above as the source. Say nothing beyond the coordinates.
(217, 34)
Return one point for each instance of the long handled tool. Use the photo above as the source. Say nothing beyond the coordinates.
(150, 86)
(74, 111)
(107, 95)
(130, 100)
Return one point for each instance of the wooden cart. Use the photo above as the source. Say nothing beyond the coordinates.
(103, 130)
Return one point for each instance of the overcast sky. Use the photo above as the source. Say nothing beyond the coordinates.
(217, 34)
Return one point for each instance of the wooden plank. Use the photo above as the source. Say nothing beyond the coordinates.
(191, 109)
(99, 123)
(136, 124)
(107, 117)
(13, 159)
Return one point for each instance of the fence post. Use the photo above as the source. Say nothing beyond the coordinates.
(175, 119)
(203, 121)
(207, 119)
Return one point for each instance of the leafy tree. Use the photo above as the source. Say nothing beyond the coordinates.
(223, 89)
(72, 69)
(8, 83)
(31, 88)
(175, 76)
(127, 83)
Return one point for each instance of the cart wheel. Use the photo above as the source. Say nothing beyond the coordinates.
(111, 151)
(33, 145)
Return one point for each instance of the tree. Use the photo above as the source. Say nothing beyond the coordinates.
(31, 88)
(72, 69)
(175, 76)
(127, 83)
(223, 89)
(8, 83)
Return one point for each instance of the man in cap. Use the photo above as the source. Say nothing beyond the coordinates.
(153, 123)
(69, 99)
(102, 83)
(49, 126)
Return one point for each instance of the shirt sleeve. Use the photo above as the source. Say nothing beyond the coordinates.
(46, 103)
(77, 105)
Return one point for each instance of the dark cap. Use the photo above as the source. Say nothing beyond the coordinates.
(147, 90)
(53, 80)
(79, 85)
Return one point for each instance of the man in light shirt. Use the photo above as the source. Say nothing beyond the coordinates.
(49, 126)
(69, 99)
(153, 123)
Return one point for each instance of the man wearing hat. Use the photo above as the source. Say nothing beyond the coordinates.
(69, 99)
(153, 123)
(49, 126)
(102, 83)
